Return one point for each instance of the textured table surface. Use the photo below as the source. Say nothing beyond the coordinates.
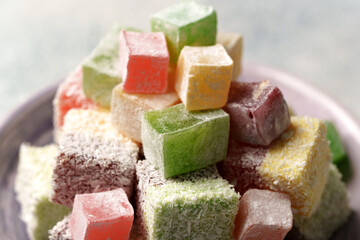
(317, 41)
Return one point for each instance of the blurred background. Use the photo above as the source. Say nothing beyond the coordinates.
(317, 41)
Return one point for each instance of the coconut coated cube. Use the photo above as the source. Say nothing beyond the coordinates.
(297, 163)
(61, 230)
(33, 190)
(196, 205)
(332, 213)
(93, 157)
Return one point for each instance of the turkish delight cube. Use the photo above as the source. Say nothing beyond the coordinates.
(144, 62)
(339, 156)
(178, 141)
(196, 205)
(100, 69)
(263, 214)
(127, 109)
(33, 190)
(297, 164)
(203, 77)
(70, 95)
(101, 216)
(186, 23)
(258, 112)
(93, 157)
(333, 210)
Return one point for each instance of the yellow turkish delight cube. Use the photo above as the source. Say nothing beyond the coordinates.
(203, 77)
(298, 164)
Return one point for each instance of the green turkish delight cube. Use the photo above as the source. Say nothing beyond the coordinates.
(33, 189)
(339, 156)
(196, 205)
(332, 212)
(186, 23)
(177, 141)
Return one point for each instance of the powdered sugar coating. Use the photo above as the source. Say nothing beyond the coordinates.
(203, 77)
(177, 141)
(144, 62)
(185, 24)
(145, 43)
(263, 214)
(127, 109)
(101, 68)
(106, 205)
(184, 13)
(207, 55)
(258, 112)
(103, 215)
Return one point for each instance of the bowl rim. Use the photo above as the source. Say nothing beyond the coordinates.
(33, 99)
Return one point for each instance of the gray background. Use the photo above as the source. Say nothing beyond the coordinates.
(317, 41)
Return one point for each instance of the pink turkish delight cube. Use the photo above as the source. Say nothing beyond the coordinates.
(262, 215)
(70, 95)
(101, 216)
(144, 62)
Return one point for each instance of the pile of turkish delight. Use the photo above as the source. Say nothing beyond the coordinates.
(157, 139)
